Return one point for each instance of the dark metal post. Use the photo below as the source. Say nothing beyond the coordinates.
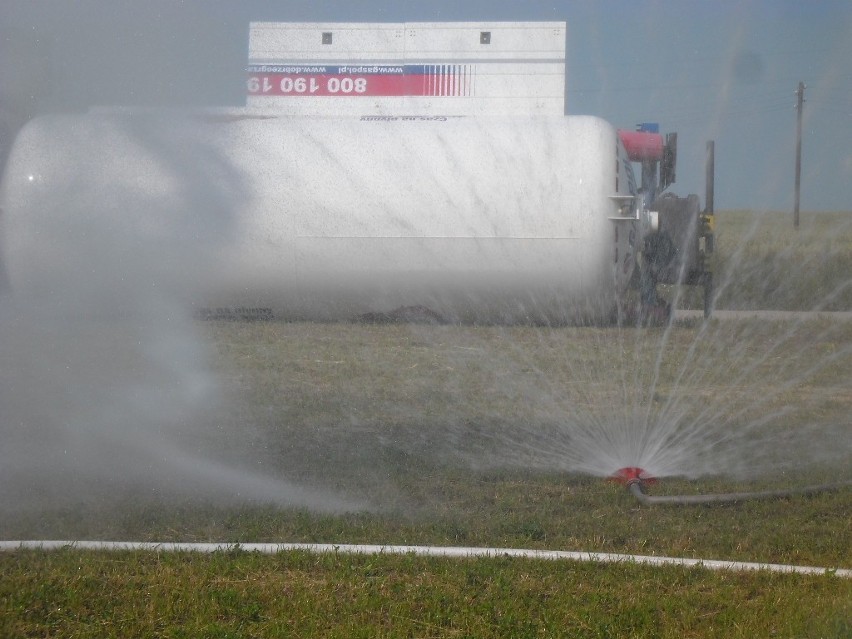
(709, 176)
(709, 238)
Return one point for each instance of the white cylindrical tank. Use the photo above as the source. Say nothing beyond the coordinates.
(477, 219)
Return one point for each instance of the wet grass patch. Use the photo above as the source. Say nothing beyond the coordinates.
(231, 594)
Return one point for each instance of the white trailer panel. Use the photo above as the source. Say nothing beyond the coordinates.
(407, 68)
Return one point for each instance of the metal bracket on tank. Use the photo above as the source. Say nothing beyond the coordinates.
(649, 219)
(625, 207)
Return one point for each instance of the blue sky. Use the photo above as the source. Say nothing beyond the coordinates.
(720, 70)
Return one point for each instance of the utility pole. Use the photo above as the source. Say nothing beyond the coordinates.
(800, 99)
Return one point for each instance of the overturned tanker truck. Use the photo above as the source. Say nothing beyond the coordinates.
(377, 185)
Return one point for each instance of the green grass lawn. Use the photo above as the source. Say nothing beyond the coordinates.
(86, 594)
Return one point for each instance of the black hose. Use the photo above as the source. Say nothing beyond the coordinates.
(638, 491)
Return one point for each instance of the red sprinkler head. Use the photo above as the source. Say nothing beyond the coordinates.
(631, 475)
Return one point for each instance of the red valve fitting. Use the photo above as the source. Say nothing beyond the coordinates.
(631, 475)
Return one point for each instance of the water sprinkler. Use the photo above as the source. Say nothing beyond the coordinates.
(630, 475)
